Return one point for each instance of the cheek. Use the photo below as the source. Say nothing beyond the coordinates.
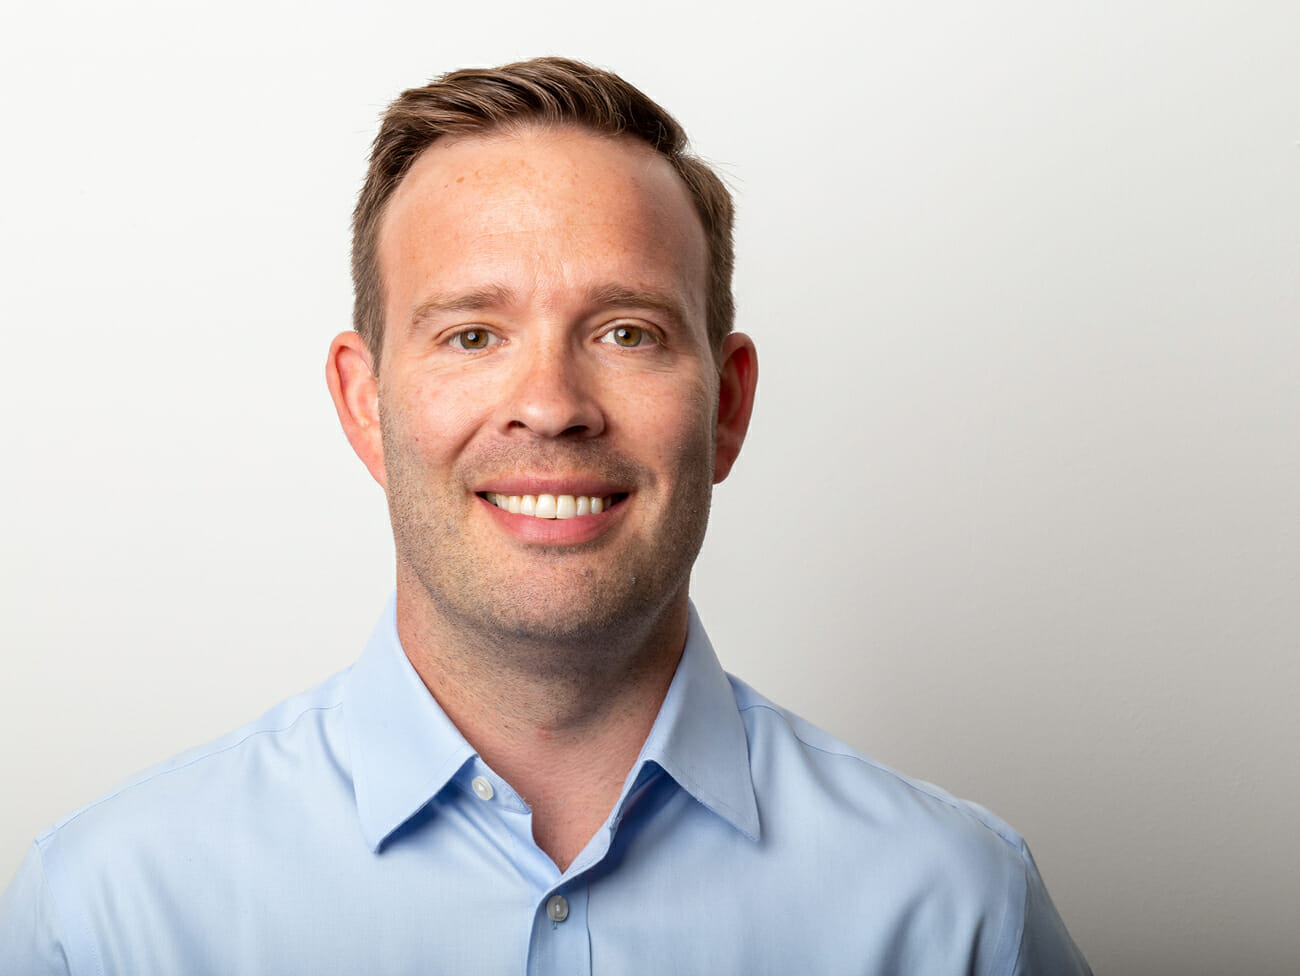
(679, 421)
(436, 418)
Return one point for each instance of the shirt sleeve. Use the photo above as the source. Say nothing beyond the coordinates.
(1046, 948)
(29, 935)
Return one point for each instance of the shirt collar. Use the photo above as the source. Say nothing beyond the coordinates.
(699, 738)
(405, 749)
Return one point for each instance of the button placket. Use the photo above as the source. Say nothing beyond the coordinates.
(560, 944)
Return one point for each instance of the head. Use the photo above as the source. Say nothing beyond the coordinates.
(543, 91)
(559, 387)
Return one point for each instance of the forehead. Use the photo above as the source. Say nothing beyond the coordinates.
(554, 206)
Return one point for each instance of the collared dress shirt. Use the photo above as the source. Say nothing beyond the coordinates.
(352, 829)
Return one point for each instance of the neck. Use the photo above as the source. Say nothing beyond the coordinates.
(561, 721)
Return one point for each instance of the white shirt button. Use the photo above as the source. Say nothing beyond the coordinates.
(482, 788)
(557, 907)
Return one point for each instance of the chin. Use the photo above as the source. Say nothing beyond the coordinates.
(594, 619)
(600, 616)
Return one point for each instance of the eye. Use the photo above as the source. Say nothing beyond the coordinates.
(628, 336)
(473, 339)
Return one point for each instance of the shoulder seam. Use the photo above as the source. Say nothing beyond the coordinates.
(61, 915)
(1024, 918)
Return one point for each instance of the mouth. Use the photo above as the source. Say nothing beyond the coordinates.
(552, 506)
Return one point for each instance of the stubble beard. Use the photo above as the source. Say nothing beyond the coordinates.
(598, 602)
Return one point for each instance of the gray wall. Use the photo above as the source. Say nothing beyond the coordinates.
(1019, 513)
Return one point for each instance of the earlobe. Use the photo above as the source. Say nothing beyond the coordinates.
(737, 381)
(350, 375)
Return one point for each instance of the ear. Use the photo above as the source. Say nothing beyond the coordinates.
(737, 380)
(350, 374)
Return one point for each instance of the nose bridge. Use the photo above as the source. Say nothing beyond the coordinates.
(552, 394)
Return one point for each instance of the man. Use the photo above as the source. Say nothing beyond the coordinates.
(537, 764)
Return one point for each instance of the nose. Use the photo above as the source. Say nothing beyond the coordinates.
(553, 395)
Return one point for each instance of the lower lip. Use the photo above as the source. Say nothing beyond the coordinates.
(554, 532)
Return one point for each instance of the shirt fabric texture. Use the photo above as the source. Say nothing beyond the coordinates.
(352, 829)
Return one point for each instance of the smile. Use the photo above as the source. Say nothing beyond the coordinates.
(551, 506)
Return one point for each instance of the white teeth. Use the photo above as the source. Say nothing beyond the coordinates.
(549, 506)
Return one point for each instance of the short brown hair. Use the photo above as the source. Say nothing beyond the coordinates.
(547, 91)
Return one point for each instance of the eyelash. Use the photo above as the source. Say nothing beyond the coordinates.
(458, 339)
(645, 337)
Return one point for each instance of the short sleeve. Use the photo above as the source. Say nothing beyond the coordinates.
(29, 932)
(1046, 948)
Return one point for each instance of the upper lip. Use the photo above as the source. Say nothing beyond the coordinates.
(577, 484)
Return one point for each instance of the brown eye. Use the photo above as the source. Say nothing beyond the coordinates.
(472, 339)
(628, 336)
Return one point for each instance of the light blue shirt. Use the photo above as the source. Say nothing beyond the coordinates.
(352, 829)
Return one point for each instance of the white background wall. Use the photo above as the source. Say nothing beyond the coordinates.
(1020, 512)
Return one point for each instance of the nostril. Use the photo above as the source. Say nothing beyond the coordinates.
(555, 402)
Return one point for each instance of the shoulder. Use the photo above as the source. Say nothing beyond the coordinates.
(169, 840)
(943, 875)
(944, 879)
(207, 782)
(802, 756)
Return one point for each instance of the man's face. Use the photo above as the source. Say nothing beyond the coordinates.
(546, 349)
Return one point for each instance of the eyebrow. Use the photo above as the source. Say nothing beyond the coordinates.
(475, 300)
(498, 296)
(619, 296)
